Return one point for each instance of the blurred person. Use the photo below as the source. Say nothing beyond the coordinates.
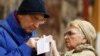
(79, 39)
(17, 31)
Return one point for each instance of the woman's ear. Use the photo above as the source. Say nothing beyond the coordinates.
(84, 41)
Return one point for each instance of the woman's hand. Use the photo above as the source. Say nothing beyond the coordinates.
(54, 48)
(53, 44)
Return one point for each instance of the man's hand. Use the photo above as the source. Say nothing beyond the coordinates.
(32, 42)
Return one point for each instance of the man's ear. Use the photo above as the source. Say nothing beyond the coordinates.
(19, 16)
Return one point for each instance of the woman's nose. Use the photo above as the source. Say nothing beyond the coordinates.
(66, 37)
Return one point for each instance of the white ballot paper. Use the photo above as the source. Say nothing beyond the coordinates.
(43, 44)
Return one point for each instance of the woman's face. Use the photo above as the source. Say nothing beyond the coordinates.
(73, 37)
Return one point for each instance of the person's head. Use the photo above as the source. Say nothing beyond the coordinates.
(79, 32)
(31, 14)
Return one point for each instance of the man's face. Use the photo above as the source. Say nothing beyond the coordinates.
(31, 22)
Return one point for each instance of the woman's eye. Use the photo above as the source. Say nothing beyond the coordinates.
(69, 33)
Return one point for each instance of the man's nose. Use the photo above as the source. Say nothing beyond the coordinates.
(37, 25)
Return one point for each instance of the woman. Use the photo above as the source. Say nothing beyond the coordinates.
(79, 39)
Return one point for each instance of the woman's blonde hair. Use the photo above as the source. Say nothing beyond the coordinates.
(87, 29)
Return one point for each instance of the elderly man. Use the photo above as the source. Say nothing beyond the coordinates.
(17, 31)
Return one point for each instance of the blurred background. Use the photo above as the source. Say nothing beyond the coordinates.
(61, 12)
